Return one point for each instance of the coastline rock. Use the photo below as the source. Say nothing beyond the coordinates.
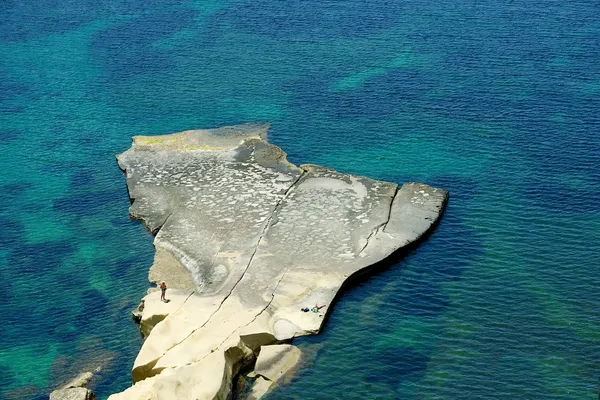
(260, 387)
(252, 239)
(74, 389)
(79, 381)
(78, 393)
(272, 364)
(274, 361)
(155, 310)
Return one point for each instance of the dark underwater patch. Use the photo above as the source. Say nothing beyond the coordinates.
(65, 332)
(9, 89)
(460, 188)
(565, 176)
(398, 364)
(419, 297)
(59, 315)
(126, 50)
(29, 392)
(7, 377)
(25, 20)
(61, 370)
(312, 19)
(454, 247)
(379, 96)
(82, 178)
(8, 135)
(86, 203)
(121, 268)
(39, 258)
(564, 199)
(12, 191)
(11, 232)
(94, 302)
(120, 222)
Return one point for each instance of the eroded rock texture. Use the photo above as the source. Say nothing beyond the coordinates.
(249, 239)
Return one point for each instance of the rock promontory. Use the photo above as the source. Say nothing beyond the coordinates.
(249, 240)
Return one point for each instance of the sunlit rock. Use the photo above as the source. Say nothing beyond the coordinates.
(260, 246)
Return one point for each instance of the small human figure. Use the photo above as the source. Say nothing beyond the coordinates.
(163, 291)
(317, 307)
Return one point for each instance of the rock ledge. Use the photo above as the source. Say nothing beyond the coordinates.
(249, 240)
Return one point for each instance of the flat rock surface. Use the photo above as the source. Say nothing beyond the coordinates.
(79, 381)
(77, 393)
(252, 239)
(275, 360)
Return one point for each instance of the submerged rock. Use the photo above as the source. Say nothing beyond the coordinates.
(79, 381)
(78, 393)
(250, 240)
(74, 389)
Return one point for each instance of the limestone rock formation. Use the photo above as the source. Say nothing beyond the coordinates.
(74, 389)
(275, 360)
(249, 239)
(272, 364)
(79, 381)
(78, 393)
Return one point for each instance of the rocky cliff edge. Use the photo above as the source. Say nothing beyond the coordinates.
(248, 240)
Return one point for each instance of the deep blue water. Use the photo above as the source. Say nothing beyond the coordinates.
(497, 102)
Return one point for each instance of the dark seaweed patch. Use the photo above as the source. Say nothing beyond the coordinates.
(82, 178)
(29, 392)
(460, 188)
(7, 377)
(565, 177)
(446, 258)
(120, 222)
(311, 19)
(85, 203)
(23, 20)
(127, 50)
(9, 88)
(398, 364)
(40, 258)
(379, 96)
(559, 198)
(12, 191)
(94, 300)
(419, 297)
(8, 135)
(120, 269)
(11, 232)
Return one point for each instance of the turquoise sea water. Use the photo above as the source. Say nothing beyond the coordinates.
(498, 102)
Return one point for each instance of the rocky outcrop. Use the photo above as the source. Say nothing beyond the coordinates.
(272, 364)
(74, 389)
(250, 239)
(79, 393)
(80, 380)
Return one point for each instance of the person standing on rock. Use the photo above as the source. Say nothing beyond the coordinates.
(163, 291)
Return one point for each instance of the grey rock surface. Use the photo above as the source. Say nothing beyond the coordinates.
(79, 381)
(275, 361)
(78, 393)
(250, 239)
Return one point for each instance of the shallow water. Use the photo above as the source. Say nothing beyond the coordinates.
(497, 102)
